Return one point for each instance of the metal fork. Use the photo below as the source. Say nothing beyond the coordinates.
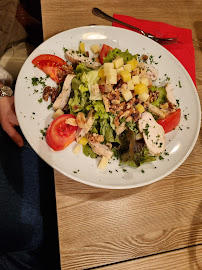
(163, 41)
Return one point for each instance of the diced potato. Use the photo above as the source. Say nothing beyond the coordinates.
(108, 65)
(125, 76)
(95, 48)
(140, 89)
(119, 69)
(111, 79)
(136, 79)
(133, 63)
(140, 108)
(77, 149)
(127, 67)
(71, 122)
(127, 95)
(82, 47)
(110, 72)
(103, 163)
(118, 62)
(144, 80)
(130, 85)
(101, 73)
(57, 113)
(139, 136)
(83, 141)
(143, 97)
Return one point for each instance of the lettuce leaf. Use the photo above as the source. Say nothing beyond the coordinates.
(162, 95)
(117, 52)
(106, 130)
(78, 98)
(89, 152)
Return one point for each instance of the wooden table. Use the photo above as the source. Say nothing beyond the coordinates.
(158, 226)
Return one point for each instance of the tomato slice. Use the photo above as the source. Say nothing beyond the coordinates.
(171, 121)
(50, 64)
(103, 53)
(59, 134)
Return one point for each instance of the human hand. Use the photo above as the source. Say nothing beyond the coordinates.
(8, 119)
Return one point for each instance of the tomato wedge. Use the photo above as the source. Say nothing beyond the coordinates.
(50, 64)
(104, 51)
(171, 121)
(59, 134)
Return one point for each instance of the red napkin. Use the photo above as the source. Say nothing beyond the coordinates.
(183, 51)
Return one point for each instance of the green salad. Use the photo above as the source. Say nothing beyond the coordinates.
(109, 104)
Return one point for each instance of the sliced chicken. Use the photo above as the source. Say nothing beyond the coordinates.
(156, 111)
(151, 72)
(153, 133)
(170, 94)
(81, 132)
(101, 149)
(63, 97)
(75, 57)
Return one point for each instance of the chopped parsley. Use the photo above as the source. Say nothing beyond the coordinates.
(37, 81)
(40, 100)
(180, 86)
(161, 158)
(49, 106)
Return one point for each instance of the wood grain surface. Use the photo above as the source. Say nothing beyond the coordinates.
(98, 227)
(185, 259)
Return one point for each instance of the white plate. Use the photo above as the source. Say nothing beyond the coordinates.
(180, 142)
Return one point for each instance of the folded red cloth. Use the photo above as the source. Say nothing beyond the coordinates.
(183, 50)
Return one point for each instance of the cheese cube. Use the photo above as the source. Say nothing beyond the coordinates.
(140, 108)
(136, 79)
(95, 48)
(77, 149)
(127, 95)
(133, 63)
(125, 75)
(110, 72)
(101, 73)
(83, 141)
(127, 67)
(111, 79)
(82, 47)
(57, 113)
(108, 65)
(143, 97)
(103, 163)
(144, 80)
(140, 89)
(130, 85)
(119, 69)
(118, 62)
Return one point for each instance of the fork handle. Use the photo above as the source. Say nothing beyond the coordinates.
(101, 14)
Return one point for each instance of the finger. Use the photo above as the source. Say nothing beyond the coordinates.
(13, 134)
(15, 121)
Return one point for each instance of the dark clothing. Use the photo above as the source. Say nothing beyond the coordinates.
(28, 221)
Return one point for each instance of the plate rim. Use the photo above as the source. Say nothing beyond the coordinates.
(99, 185)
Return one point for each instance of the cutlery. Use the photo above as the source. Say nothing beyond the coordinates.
(163, 41)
